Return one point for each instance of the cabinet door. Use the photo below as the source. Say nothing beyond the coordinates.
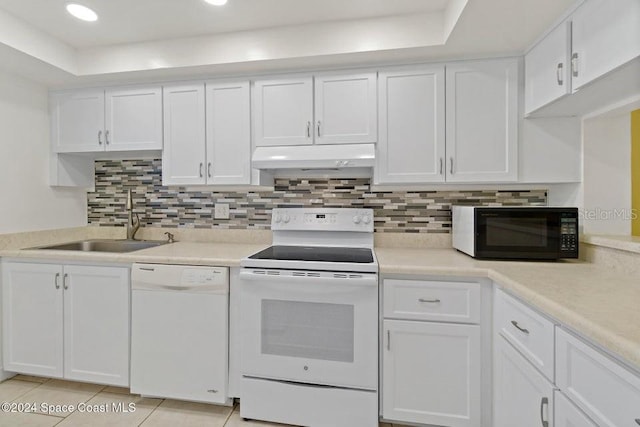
(183, 157)
(412, 140)
(431, 373)
(346, 109)
(606, 391)
(133, 119)
(482, 121)
(77, 121)
(32, 319)
(283, 112)
(522, 397)
(547, 69)
(228, 133)
(567, 415)
(606, 35)
(96, 324)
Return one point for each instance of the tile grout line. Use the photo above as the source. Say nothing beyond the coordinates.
(233, 408)
(150, 413)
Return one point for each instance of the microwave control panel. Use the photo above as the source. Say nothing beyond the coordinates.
(569, 234)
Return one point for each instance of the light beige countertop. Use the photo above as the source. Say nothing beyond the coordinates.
(601, 305)
(187, 253)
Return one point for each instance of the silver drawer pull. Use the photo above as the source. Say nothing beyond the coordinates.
(432, 301)
(544, 402)
(148, 268)
(518, 327)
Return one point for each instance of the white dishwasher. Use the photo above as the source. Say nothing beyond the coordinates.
(179, 332)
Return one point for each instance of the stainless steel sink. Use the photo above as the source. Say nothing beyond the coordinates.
(117, 246)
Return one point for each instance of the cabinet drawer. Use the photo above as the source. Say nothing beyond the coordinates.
(603, 389)
(432, 300)
(528, 331)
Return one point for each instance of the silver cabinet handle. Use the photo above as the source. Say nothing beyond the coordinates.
(201, 165)
(451, 165)
(308, 129)
(209, 169)
(99, 137)
(64, 281)
(544, 402)
(388, 340)
(318, 127)
(106, 137)
(148, 269)
(574, 64)
(57, 280)
(212, 391)
(441, 166)
(432, 301)
(518, 327)
(638, 421)
(559, 74)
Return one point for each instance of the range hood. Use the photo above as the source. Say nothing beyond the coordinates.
(329, 156)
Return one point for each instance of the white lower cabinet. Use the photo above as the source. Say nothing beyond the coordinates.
(431, 373)
(606, 391)
(66, 321)
(567, 414)
(522, 396)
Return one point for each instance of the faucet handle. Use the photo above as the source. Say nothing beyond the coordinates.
(170, 237)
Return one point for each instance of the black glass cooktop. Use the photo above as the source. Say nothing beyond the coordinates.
(315, 253)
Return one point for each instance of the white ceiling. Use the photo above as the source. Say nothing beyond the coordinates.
(130, 21)
(142, 40)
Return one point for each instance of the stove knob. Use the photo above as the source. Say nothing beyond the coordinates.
(278, 218)
(366, 219)
(286, 218)
(357, 219)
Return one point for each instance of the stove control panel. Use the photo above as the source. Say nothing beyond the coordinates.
(322, 219)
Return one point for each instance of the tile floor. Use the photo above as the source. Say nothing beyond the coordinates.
(148, 412)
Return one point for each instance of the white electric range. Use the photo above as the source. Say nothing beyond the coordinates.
(309, 310)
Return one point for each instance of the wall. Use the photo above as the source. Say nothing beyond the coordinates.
(394, 211)
(607, 171)
(635, 172)
(28, 203)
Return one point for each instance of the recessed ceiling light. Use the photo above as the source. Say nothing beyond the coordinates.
(217, 2)
(82, 12)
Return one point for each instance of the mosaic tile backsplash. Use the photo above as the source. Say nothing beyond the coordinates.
(160, 206)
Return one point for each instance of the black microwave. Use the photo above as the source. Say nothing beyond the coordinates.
(518, 233)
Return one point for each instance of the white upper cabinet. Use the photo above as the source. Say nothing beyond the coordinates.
(228, 133)
(547, 69)
(346, 109)
(482, 121)
(122, 120)
(411, 146)
(77, 121)
(207, 133)
(606, 35)
(133, 119)
(283, 111)
(184, 154)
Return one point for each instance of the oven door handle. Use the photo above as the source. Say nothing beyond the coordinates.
(339, 278)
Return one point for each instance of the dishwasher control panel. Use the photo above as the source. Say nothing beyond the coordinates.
(202, 276)
(179, 277)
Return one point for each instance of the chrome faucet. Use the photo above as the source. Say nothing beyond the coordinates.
(132, 227)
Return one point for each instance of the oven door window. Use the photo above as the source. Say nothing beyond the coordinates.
(320, 331)
(517, 234)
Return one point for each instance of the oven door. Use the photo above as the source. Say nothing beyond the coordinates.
(310, 327)
(519, 233)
